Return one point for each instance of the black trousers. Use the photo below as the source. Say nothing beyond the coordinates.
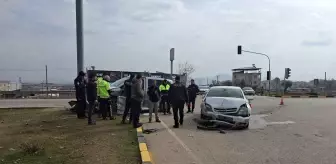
(81, 106)
(104, 107)
(178, 112)
(91, 110)
(163, 102)
(127, 109)
(135, 110)
(191, 103)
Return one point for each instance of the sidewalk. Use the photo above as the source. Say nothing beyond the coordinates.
(163, 146)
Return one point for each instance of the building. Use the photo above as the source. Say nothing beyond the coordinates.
(9, 86)
(247, 76)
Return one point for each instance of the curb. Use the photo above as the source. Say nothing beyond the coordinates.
(305, 96)
(145, 156)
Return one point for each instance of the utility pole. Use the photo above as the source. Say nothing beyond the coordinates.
(325, 83)
(172, 57)
(79, 35)
(46, 76)
(217, 79)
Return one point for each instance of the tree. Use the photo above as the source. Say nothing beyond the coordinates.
(242, 83)
(226, 83)
(287, 85)
(277, 82)
(186, 68)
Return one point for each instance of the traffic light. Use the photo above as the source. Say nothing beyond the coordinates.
(268, 75)
(239, 49)
(287, 73)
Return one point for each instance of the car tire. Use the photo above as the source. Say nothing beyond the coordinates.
(246, 126)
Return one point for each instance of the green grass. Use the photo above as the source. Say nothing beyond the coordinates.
(52, 136)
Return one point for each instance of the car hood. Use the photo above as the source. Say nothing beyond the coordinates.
(204, 89)
(225, 102)
(249, 90)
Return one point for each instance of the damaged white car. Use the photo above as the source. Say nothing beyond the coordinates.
(226, 106)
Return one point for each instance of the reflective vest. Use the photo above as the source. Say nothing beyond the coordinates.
(103, 88)
(164, 88)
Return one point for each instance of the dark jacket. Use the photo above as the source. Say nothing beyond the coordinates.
(80, 85)
(192, 91)
(153, 93)
(137, 91)
(177, 93)
(128, 88)
(91, 91)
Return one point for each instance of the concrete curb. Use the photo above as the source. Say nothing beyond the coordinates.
(305, 96)
(145, 156)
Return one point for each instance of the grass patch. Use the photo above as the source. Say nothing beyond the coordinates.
(49, 136)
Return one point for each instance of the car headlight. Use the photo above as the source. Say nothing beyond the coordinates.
(243, 110)
(208, 108)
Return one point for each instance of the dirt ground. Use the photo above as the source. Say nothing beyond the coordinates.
(55, 136)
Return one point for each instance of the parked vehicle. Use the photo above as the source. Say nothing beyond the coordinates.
(203, 89)
(226, 105)
(118, 87)
(248, 91)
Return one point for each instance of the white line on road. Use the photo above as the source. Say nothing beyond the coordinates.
(186, 148)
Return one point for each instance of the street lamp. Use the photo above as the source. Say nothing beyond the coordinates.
(79, 35)
(240, 50)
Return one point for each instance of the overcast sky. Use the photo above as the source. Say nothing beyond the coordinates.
(136, 35)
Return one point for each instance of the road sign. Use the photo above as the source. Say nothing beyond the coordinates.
(172, 54)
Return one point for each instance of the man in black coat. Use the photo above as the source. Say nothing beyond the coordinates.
(178, 96)
(80, 86)
(127, 93)
(192, 93)
(154, 98)
(91, 92)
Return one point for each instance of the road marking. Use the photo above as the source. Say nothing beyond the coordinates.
(186, 148)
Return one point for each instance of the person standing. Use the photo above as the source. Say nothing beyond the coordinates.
(137, 95)
(127, 93)
(178, 96)
(192, 93)
(164, 103)
(91, 91)
(80, 85)
(154, 97)
(104, 90)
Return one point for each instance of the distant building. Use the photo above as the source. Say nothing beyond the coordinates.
(250, 76)
(9, 86)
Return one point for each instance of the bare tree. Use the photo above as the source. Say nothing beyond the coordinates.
(186, 68)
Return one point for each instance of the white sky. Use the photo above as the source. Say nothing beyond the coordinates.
(137, 35)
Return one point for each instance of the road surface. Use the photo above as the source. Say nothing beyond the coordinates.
(301, 132)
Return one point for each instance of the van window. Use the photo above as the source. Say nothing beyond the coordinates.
(151, 82)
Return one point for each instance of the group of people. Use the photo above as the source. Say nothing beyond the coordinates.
(97, 90)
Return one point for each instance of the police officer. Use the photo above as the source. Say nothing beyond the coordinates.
(91, 92)
(80, 85)
(127, 93)
(164, 88)
(192, 93)
(178, 96)
(103, 89)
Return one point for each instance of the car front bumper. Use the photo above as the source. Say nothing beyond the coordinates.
(227, 120)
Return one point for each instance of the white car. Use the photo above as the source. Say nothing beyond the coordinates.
(226, 105)
(203, 89)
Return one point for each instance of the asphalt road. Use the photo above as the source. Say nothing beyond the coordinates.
(17, 103)
(301, 132)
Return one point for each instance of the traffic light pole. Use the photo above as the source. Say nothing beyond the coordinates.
(269, 68)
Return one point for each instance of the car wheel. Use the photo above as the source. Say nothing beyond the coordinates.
(246, 126)
(202, 116)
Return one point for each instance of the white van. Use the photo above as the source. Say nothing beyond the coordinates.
(147, 81)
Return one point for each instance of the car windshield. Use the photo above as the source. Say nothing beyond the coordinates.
(119, 82)
(247, 88)
(225, 92)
